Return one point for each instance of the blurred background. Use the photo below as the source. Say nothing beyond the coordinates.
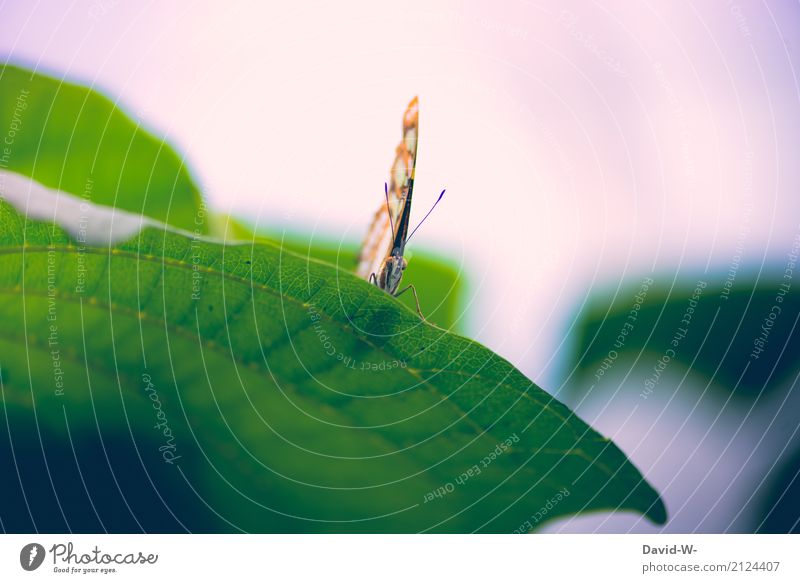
(622, 211)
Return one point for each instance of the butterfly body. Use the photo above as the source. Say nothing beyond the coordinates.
(394, 264)
(382, 260)
(391, 273)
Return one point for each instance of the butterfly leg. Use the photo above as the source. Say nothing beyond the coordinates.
(373, 278)
(411, 287)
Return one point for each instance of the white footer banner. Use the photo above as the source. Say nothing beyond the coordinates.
(354, 558)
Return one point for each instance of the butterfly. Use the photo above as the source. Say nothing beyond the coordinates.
(381, 260)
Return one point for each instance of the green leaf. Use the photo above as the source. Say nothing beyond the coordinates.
(743, 336)
(440, 282)
(170, 383)
(76, 140)
(285, 394)
(780, 504)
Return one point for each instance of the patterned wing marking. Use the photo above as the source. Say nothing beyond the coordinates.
(377, 244)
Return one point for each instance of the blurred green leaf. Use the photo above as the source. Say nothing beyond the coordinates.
(780, 506)
(745, 337)
(74, 139)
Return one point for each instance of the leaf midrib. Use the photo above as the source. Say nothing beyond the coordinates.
(188, 334)
(385, 444)
(166, 260)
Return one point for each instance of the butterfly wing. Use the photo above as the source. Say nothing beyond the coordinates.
(377, 244)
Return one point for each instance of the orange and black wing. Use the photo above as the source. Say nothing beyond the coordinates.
(380, 239)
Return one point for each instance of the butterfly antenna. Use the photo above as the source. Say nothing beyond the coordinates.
(388, 208)
(425, 217)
